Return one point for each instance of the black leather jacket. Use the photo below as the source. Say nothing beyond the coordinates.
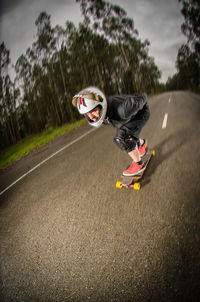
(124, 111)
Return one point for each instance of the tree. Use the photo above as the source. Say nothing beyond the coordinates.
(191, 28)
(9, 94)
(188, 58)
(112, 21)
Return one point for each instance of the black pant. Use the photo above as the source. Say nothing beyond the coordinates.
(127, 136)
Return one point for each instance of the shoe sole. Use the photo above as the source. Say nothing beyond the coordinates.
(136, 172)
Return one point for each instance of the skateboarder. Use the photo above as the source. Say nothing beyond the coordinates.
(128, 113)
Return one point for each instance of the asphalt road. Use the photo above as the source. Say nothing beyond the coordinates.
(67, 234)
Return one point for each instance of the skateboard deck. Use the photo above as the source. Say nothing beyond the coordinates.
(132, 181)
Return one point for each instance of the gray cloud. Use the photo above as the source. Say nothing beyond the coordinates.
(7, 6)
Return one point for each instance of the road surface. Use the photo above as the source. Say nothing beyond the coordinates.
(67, 234)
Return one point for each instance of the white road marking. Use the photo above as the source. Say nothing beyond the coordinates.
(170, 100)
(45, 160)
(164, 125)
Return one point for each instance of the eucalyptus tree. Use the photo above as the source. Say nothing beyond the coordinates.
(188, 67)
(188, 57)
(107, 20)
(63, 38)
(85, 68)
(23, 69)
(9, 130)
(112, 22)
(25, 77)
(4, 62)
(191, 29)
(10, 100)
(85, 31)
(45, 46)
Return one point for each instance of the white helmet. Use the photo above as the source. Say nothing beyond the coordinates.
(88, 99)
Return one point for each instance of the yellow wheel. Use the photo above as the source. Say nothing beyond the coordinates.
(153, 152)
(118, 184)
(136, 186)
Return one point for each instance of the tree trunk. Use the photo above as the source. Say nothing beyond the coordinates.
(65, 88)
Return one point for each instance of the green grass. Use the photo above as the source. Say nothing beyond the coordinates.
(28, 144)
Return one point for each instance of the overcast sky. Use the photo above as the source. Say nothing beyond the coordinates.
(159, 21)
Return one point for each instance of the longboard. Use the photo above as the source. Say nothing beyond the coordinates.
(133, 181)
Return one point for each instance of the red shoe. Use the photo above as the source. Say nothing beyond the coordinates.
(134, 169)
(143, 148)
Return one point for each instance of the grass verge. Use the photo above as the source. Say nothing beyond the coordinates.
(28, 144)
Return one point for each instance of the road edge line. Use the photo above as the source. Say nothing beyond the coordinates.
(45, 160)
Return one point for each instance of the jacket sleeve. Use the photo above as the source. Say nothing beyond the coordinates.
(131, 105)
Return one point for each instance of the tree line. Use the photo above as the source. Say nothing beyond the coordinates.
(104, 50)
(188, 58)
